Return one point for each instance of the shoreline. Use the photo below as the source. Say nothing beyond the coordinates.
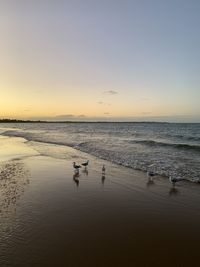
(66, 146)
(174, 150)
(122, 219)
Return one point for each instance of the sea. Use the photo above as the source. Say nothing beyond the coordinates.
(168, 149)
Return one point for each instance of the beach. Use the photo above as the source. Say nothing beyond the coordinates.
(99, 133)
(52, 217)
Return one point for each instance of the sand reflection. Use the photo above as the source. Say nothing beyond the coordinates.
(103, 177)
(173, 191)
(75, 178)
(85, 171)
(150, 181)
(14, 177)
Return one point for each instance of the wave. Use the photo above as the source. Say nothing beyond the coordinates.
(193, 138)
(174, 145)
(184, 137)
(162, 165)
(30, 136)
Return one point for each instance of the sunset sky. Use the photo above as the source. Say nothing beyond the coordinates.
(100, 59)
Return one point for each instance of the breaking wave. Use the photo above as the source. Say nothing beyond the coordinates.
(173, 145)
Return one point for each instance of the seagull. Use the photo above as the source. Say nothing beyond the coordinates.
(103, 169)
(150, 174)
(85, 163)
(76, 167)
(174, 180)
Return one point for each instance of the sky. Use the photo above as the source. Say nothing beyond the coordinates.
(100, 59)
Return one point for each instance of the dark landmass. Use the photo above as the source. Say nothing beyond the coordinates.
(17, 121)
(43, 121)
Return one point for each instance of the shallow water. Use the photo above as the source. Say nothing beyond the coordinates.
(173, 149)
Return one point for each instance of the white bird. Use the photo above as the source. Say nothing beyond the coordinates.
(174, 180)
(150, 170)
(76, 167)
(103, 169)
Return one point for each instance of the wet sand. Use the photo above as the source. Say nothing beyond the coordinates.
(51, 217)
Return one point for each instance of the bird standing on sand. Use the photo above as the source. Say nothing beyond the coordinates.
(151, 170)
(150, 174)
(85, 164)
(174, 180)
(103, 169)
(76, 167)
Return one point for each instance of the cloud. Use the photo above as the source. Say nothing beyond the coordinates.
(103, 103)
(64, 116)
(81, 116)
(110, 92)
(68, 116)
(146, 113)
(106, 113)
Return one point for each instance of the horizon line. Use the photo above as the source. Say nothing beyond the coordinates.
(86, 121)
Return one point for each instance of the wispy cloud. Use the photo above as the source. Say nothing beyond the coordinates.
(103, 103)
(69, 116)
(110, 92)
(106, 113)
(146, 113)
(64, 116)
(82, 116)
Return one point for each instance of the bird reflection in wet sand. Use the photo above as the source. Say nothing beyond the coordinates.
(75, 178)
(103, 177)
(173, 191)
(85, 171)
(150, 181)
(103, 170)
(14, 177)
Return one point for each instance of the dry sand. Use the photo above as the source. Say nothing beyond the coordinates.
(50, 217)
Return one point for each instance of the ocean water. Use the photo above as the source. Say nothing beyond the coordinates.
(168, 149)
